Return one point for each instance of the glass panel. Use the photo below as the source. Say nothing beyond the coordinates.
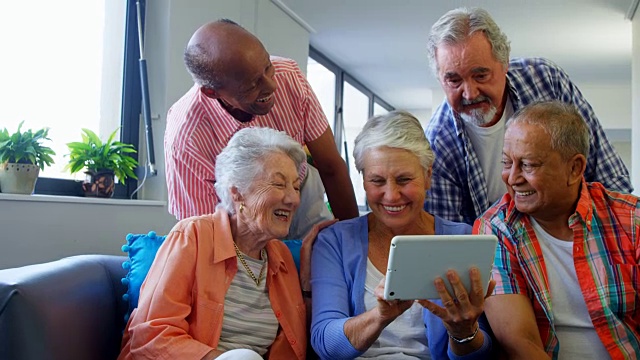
(356, 113)
(62, 69)
(323, 83)
(378, 109)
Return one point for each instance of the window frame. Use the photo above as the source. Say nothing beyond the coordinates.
(129, 113)
(341, 77)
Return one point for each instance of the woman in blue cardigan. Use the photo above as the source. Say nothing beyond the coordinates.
(350, 317)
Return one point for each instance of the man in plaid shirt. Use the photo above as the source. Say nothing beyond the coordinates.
(469, 55)
(567, 262)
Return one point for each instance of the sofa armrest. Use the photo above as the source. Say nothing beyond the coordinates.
(66, 309)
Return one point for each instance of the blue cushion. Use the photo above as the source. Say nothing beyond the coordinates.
(294, 247)
(142, 249)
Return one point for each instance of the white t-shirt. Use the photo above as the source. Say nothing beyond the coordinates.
(405, 337)
(488, 143)
(576, 335)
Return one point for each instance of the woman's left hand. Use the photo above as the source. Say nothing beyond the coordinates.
(461, 309)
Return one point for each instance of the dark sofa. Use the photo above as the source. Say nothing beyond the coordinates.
(68, 309)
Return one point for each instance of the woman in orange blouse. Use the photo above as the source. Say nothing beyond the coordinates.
(222, 285)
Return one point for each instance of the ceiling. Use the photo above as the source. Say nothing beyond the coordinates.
(382, 43)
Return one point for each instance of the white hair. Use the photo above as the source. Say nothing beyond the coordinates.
(242, 159)
(396, 129)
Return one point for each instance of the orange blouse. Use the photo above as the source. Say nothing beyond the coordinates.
(181, 306)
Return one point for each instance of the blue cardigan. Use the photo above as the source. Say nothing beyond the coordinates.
(338, 272)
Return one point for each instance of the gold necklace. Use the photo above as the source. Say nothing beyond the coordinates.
(263, 255)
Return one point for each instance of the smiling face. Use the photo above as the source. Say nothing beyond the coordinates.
(272, 198)
(395, 184)
(248, 82)
(474, 82)
(540, 181)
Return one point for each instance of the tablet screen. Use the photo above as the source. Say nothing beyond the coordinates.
(415, 261)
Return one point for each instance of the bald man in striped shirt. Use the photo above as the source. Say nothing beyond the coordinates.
(237, 85)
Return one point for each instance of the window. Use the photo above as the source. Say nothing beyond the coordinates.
(352, 102)
(63, 69)
(323, 82)
(379, 109)
(355, 115)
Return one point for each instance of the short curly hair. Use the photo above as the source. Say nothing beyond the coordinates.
(396, 129)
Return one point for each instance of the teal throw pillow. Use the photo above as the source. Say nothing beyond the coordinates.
(294, 247)
(142, 249)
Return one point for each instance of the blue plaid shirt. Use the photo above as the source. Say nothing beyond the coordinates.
(458, 187)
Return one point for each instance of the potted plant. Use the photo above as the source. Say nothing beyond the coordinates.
(22, 156)
(101, 161)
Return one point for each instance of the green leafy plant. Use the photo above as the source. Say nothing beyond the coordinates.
(94, 155)
(26, 147)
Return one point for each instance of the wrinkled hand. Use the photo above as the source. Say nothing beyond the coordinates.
(305, 251)
(461, 309)
(389, 310)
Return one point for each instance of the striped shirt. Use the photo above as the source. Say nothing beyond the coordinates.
(198, 128)
(249, 321)
(606, 254)
(458, 186)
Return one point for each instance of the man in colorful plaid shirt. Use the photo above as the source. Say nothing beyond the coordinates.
(469, 55)
(567, 262)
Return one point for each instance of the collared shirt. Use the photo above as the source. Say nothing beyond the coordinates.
(198, 128)
(458, 187)
(606, 255)
(181, 307)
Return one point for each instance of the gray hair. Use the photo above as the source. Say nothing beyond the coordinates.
(396, 129)
(201, 64)
(562, 122)
(457, 25)
(241, 160)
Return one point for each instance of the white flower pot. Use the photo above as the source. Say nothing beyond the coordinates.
(18, 178)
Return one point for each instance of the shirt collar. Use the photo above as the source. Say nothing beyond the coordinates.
(513, 94)
(223, 241)
(276, 261)
(224, 249)
(584, 210)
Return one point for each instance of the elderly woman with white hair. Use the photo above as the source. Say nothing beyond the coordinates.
(350, 317)
(222, 285)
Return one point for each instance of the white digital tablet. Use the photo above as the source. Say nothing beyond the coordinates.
(415, 261)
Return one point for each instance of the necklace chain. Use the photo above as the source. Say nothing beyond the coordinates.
(263, 255)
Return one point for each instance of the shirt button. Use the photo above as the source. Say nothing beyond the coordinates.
(293, 342)
(278, 314)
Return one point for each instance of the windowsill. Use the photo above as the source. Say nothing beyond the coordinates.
(80, 200)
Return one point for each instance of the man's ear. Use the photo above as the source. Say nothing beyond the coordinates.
(578, 164)
(209, 92)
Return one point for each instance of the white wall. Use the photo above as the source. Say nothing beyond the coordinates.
(41, 228)
(611, 103)
(37, 229)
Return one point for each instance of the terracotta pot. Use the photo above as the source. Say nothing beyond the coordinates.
(18, 178)
(98, 184)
